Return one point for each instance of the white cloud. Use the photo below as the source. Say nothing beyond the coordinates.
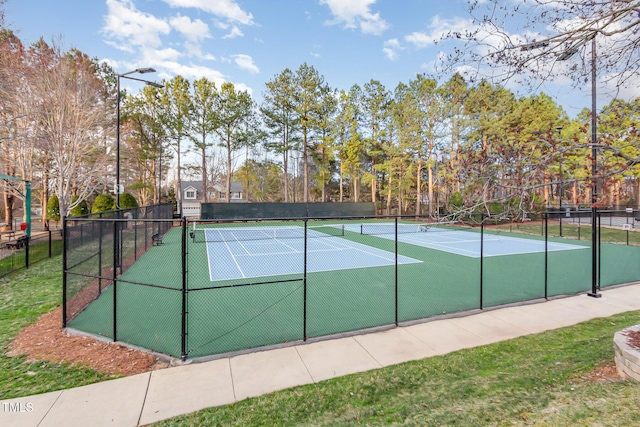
(192, 30)
(438, 28)
(194, 72)
(235, 32)
(245, 62)
(419, 40)
(119, 46)
(195, 50)
(225, 9)
(156, 56)
(391, 48)
(127, 24)
(356, 13)
(191, 72)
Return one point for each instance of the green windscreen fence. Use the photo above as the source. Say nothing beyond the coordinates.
(285, 210)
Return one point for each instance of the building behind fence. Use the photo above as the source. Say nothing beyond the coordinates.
(137, 277)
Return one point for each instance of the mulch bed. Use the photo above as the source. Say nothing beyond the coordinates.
(46, 340)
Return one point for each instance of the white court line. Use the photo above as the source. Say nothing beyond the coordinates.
(289, 252)
(450, 248)
(332, 248)
(237, 241)
(366, 252)
(232, 256)
(295, 251)
(208, 257)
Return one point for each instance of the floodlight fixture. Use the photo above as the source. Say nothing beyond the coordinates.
(145, 70)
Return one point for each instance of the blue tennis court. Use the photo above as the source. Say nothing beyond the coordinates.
(235, 253)
(459, 242)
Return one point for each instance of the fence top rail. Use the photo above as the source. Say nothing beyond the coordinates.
(332, 218)
(161, 206)
(484, 216)
(623, 211)
(79, 219)
(302, 218)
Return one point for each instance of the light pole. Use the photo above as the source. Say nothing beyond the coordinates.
(568, 53)
(126, 75)
(594, 170)
(561, 183)
(594, 162)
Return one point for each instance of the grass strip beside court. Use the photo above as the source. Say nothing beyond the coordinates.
(24, 297)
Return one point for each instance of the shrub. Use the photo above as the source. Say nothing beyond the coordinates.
(53, 208)
(80, 209)
(455, 202)
(102, 203)
(127, 201)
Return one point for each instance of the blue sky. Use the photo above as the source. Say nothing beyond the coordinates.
(248, 42)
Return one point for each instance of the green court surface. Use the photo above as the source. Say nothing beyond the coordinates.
(232, 315)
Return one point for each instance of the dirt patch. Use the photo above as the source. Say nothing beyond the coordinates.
(602, 374)
(45, 340)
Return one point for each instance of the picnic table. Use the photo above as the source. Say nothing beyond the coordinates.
(10, 233)
(20, 242)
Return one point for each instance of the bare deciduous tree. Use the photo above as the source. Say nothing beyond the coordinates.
(528, 41)
(71, 109)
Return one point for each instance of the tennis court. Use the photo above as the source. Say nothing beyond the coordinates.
(460, 242)
(234, 253)
(234, 285)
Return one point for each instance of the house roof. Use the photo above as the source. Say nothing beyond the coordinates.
(196, 185)
(236, 186)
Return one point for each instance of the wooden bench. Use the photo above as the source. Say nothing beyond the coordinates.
(156, 239)
(9, 233)
(20, 242)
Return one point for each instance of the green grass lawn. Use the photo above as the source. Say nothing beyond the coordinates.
(24, 296)
(574, 231)
(538, 380)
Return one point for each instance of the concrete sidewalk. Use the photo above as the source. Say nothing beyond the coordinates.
(162, 394)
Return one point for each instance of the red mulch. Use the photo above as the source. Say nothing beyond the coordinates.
(633, 339)
(46, 340)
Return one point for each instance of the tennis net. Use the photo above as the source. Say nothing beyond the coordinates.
(207, 233)
(404, 228)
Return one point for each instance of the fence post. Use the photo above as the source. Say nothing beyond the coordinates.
(26, 251)
(183, 341)
(396, 261)
(50, 247)
(595, 253)
(481, 260)
(64, 271)
(304, 284)
(135, 239)
(100, 225)
(546, 251)
(599, 251)
(116, 246)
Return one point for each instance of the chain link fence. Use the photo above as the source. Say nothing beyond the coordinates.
(18, 252)
(192, 289)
